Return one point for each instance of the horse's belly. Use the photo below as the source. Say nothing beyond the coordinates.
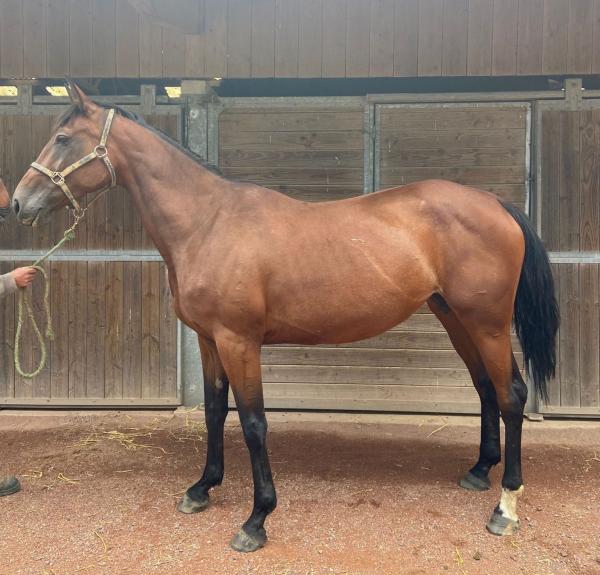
(333, 322)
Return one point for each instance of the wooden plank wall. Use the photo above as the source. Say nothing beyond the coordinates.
(480, 146)
(309, 154)
(316, 154)
(484, 147)
(115, 329)
(570, 223)
(297, 38)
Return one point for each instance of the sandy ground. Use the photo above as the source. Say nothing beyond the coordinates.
(357, 495)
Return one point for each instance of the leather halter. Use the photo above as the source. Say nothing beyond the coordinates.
(100, 151)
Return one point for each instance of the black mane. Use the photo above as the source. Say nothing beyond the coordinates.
(74, 112)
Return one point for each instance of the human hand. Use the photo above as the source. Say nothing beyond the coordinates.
(23, 276)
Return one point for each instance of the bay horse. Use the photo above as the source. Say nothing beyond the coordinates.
(250, 266)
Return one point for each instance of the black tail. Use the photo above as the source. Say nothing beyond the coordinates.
(536, 313)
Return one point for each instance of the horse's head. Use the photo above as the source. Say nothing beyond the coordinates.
(72, 164)
(4, 202)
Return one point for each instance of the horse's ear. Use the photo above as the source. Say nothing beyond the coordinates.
(78, 96)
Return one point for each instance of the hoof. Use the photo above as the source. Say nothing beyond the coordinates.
(473, 483)
(9, 485)
(245, 543)
(189, 505)
(501, 525)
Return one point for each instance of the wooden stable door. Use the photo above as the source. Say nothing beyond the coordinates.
(317, 153)
(115, 329)
(570, 227)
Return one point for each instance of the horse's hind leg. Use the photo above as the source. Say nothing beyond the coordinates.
(216, 388)
(494, 347)
(476, 478)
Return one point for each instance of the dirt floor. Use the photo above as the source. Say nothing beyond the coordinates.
(357, 495)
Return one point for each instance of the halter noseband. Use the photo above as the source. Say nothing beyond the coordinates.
(100, 151)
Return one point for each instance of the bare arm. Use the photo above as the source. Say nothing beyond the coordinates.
(18, 278)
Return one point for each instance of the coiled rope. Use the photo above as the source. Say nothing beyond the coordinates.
(24, 301)
(24, 304)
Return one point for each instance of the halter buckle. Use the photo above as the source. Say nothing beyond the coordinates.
(101, 151)
(57, 178)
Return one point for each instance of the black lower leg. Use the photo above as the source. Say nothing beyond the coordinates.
(512, 415)
(489, 448)
(254, 425)
(215, 409)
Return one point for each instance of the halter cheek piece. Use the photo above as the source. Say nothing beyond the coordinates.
(100, 152)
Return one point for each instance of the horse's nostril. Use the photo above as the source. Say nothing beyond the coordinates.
(16, 206)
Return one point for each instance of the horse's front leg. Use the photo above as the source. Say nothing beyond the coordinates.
(216, 388)
(241, 359)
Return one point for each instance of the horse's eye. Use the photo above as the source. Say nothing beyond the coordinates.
(61, 139)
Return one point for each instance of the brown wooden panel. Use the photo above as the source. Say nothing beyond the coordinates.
(95, 329)
(343, 374)
(132, 330)
(168, 339)
(150, 48)
(569, 182)
(286, 38)
(59, 349)
(417, 139)
(596, 39)
(440, 157)
(358, 14)
(554, 56)
(150, 330)
(77, 306)
(406, 38)
(590, 181)
(57, 39)
(173, 53)
(11, 38)
(479, 35)
(382, 38)
(504, 37)
(287, 159)
(434, 118)
(80, 38)
(569, 336)
(430, 37)
(311, 51)
(580, 30)
(263, 38)
(127, 49)
(551, 162)
(216, 38)
(589, 342)
(7, 338)
(454, 34)
(34, 38)
(292, 141)
(288, 120)
(194, 55)
(104, 54)
(334, 39)
(373, 397)
(239, 47)
(529, 47)
(114, 329)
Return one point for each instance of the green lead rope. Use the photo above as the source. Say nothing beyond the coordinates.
(24, 304)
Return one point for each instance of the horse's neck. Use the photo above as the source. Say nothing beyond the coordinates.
(174, 195)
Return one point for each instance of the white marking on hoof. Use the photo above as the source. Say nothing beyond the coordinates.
(508, 502)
